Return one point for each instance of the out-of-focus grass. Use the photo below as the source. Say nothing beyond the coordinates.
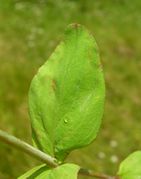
(29, 31)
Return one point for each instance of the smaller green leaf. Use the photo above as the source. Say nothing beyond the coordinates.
(130, 168)
(34, 172)
(65, 171)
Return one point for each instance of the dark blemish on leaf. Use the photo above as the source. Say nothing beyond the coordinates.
(53, 85)
(75, 25)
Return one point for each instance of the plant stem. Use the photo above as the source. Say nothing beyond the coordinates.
(17, 143)
(90, 173)
(45, 158)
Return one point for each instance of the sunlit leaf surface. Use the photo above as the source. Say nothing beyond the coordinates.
(66, 96)
(130, 168)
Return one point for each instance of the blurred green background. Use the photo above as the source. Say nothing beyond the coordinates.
(29, 31)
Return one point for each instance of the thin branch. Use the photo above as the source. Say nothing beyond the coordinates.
(45, 158)
(90, 173)
(19, 144)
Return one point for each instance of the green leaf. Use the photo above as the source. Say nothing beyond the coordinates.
(66, 96)
(66, 171)
(130, 168)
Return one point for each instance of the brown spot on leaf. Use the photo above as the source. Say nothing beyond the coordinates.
(53, 84)
(75, 25)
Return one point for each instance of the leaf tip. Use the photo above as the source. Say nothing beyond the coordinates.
(74, 26)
